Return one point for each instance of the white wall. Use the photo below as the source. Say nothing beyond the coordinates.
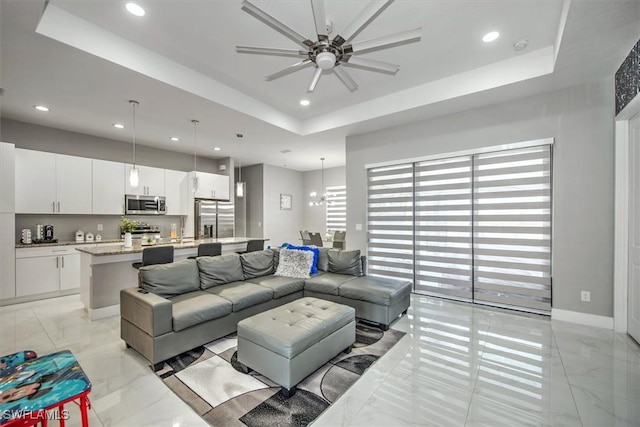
(315, 216)
(581, 119)
(282, 225)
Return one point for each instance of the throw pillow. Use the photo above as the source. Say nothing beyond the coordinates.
(294, 263)
(345, 262)
(316, 255)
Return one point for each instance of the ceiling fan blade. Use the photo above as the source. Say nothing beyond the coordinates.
(392, 40)
(263, 16)
(270, 51)
(345, 78)
(320, 18)
(370, 13)
(315, 79)
(290, 69)
(370, 64)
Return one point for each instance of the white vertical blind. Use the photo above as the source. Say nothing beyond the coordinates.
(390, 221)
(443, 227)
(471, 227)
(336, 208)
(512, 228)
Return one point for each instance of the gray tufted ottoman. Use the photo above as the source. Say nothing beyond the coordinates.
(289, 342)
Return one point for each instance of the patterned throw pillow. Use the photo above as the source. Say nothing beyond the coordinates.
(296, 264)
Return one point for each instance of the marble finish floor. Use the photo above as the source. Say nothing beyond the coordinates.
(458, 365)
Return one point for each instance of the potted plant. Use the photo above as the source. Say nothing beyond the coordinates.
(126, 227)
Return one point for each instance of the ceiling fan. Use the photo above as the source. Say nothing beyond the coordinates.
(331, 53)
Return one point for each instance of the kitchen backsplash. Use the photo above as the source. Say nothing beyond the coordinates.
(65, 226)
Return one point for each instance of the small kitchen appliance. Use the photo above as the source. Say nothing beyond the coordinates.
(48, 232)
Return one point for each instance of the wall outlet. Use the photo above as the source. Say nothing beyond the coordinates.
(358, 227)
(100, 227)
(585, 296)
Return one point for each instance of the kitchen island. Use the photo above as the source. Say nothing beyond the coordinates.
(105, 270)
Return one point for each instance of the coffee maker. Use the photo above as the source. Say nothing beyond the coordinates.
(44, 234)
(48, 233)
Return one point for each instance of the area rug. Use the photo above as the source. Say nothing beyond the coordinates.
(211, 381)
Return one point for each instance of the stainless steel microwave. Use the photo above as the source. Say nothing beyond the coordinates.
(144, 205)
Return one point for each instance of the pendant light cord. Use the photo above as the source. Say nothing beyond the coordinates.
(195, 142)
(134, 105)
(239, 135)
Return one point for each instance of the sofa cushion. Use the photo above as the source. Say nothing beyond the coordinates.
(323, 259)
(316, 254)
(326, 283)
(294, 263)
(345, 262)
(242, 294)
(255, 264)
(193, 308)
(281, 285)
(171, 279)
(219, 270)
(375, 290)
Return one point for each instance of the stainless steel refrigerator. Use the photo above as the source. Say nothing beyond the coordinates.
(213, 219)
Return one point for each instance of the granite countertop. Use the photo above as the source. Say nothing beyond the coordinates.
(119, 250)
(65, 243)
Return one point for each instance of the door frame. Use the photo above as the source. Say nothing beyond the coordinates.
(621, 215)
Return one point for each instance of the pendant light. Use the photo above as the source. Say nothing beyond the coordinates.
(239, 184)
(196, 181)
(134, 177)
(313, 194)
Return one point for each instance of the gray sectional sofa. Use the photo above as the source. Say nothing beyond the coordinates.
(185, 304)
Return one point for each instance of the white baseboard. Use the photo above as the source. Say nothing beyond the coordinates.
(582, 318)
(101, 313)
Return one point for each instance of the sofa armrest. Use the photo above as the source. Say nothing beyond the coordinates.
(149, 312)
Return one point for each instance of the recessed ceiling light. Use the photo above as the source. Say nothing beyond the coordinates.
(489, 37)
(304, 102)
(216, 148)
(175, 138)
(41, 108)
(118, 125)
(134, 9)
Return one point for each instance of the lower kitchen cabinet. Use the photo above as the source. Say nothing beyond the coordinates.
(45, 270)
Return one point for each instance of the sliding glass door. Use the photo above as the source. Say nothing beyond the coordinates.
(473, 228)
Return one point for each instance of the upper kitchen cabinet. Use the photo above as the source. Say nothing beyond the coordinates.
(151, 181)
(175, 191)
(210, 186)
(7, 173)
(73, 184)
(108, 187)
(52, 183)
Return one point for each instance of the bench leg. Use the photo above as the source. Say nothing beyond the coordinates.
(128, 346)
(405, 312)
(245, 369)
(348, 349)
(156, 367)
(384, 327)
(287, 393)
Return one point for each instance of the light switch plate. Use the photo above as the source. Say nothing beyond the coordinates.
(358, 227)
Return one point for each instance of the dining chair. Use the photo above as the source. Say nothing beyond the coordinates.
(339, 239)
(306, 237)
(157, 255)
(316, 239)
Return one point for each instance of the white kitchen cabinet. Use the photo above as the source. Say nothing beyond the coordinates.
(45, 270)
(7, 173)
(175, 191)
(221, 187)
(151, 181)
(52, 183)
(108, 188)
(73, 184)
(35, 175)
(210, 186)
(7, 256)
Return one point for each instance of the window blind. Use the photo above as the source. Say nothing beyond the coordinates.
(336, 208)
(390, 221)
(443, 227)
(512, 228)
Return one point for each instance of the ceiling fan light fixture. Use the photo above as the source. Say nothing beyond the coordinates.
(326, 60)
